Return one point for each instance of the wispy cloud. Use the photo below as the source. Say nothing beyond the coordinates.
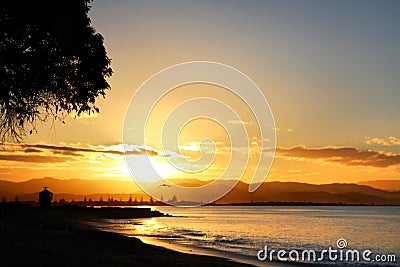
(348, 156)
(390, 141)
(239, 122)
(141, 150)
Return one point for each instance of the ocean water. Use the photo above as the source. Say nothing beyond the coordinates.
(244, 230)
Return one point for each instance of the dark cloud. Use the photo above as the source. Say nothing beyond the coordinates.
(142, 151)
(32, 150)
(62, 153)
(76, 151)
(34, 158)
(349, 156)
(64, 149)
(66, 153)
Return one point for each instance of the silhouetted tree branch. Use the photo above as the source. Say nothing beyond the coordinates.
(52, 63)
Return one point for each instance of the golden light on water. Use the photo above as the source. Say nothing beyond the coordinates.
(145, 227)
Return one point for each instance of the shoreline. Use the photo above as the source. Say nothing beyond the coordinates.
(246, 261)
(165, 243)
(29, 238)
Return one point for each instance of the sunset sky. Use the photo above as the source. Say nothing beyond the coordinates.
(329, 70)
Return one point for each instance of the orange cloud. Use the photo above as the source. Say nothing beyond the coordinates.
(391, 141)
(348, 156)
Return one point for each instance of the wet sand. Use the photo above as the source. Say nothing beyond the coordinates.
(166, 243)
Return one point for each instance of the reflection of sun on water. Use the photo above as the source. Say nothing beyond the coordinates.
(146, 227)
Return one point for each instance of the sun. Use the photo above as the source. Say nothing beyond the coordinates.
(161, 168)
(164, 168)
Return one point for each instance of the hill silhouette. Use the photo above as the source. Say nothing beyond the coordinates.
(268, 192)
(387, 185)
(302, 192)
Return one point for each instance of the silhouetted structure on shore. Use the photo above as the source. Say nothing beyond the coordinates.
(45, 198)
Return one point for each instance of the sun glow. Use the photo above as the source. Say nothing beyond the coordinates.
(164, 168)
(161, 168)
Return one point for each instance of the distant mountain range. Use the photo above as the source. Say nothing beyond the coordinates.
(362, 193)
(388, 185)
(302, 192)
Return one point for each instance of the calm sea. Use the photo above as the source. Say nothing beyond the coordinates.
(244, 230)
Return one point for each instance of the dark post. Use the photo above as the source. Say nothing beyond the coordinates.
(45, 198)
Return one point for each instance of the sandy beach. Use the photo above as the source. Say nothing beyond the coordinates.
(56, 238)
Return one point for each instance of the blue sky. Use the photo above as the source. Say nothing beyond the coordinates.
(329, 69)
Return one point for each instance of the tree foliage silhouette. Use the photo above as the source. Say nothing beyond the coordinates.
(52, 63)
